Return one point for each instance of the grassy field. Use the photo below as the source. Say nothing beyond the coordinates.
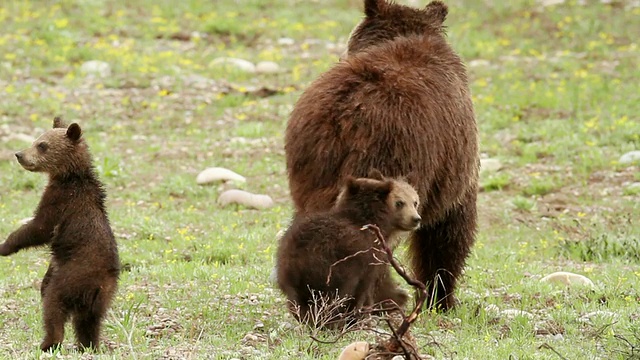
(557, 97)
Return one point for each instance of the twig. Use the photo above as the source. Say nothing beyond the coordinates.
(549, 347)
(422, 289)
(398, 337)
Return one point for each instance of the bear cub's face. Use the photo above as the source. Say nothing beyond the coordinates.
(54, 150)
(399, 199)
(384, 21)
(405, 203)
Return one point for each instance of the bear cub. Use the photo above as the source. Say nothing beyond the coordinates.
(328, 253)
(71, 218)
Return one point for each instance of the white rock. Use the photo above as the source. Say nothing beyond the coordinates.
(634, 186)
(492, 308)
(490, 165)
(239, 64)
(599, 313)
(267, 67)
(568, 279)
(355, 351)
(235, 196)
(511, 313)
(96, 67)
(286, 41)
(213, 174)
(479, 63)
(630, 157)
(550, 2)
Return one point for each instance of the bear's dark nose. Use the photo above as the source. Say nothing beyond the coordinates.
(19, 156)
(416, 219)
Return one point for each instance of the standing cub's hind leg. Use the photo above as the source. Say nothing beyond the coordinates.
(55, 316)
(87, 327)
(88, 318)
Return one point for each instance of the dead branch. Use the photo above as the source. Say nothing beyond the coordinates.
(549, 347)
(422, 289)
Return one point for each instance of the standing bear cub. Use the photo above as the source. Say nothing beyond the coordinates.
(71, 218)
(330, 255)
(399, 102)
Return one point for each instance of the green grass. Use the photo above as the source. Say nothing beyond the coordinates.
(556, 95)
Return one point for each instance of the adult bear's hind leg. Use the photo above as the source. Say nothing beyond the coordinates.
(439, 252)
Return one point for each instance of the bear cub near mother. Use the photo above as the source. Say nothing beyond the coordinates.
(398, 102)
(329, 255)
(71, 218)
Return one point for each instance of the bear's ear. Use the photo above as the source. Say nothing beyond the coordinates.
(74, 132)
(384, 189)
(375, 174)
(352, 185)
(58, 123)
(437, 11)
(374, 7)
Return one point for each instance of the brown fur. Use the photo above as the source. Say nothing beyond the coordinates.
(313, 243)
(71, 218)
(399, 102)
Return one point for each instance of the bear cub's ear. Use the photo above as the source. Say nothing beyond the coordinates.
(437, 10)
(58, 123)
(375, 174)
(374, 7)
(384, 189)
(74, 132)
(352, 185)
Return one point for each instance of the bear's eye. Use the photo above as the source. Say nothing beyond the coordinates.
(42, 147)
(415, 204)
(399, 204)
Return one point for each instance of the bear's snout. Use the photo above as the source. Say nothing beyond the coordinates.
(416, 220)
(23, 160)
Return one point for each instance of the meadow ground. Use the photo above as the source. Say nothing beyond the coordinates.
(557, 95)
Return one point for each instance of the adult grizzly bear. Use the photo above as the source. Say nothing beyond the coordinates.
(399, 102)
(71, 219)
(327, 255)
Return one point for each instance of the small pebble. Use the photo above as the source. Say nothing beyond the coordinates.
(286, 41)
(96, 67)
(241, 197)
(479, 63)
(239, 64)
(568, 279)
(630, 157)
(214, 174)
(599, 313)
(511, 313)
(355, 351)
(490, 165)
(546, 3)
(267, 67)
